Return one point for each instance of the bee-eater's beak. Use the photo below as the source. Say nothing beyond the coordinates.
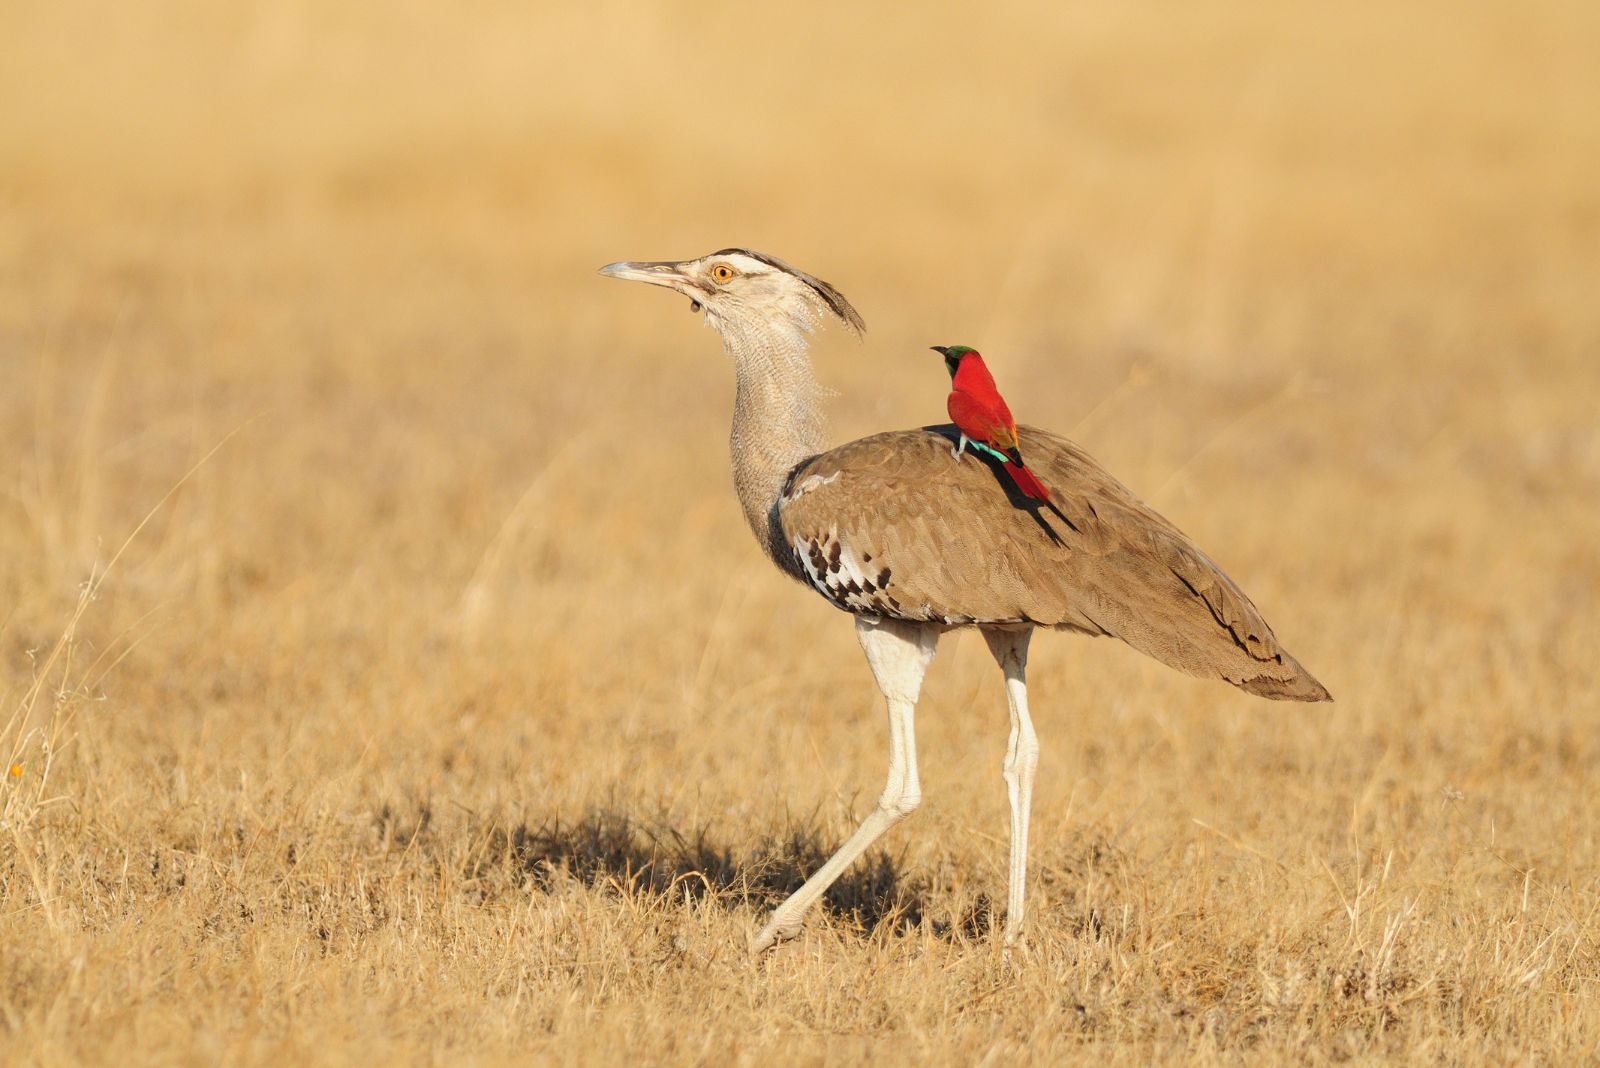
(942, 350)
(670, 275)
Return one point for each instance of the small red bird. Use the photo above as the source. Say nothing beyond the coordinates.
(980, 413)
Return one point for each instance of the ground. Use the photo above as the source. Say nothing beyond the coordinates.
(387, 672)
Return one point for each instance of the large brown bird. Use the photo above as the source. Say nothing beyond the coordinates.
(913, 542)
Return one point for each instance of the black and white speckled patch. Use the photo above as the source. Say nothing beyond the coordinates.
(857, 584)
(834, 570)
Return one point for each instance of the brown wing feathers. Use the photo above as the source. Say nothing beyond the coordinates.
(954, 547)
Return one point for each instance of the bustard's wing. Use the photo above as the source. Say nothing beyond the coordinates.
(892, 525)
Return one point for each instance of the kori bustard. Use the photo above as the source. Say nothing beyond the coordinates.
(913, 542)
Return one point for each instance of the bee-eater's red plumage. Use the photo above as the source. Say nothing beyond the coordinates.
(979, 412)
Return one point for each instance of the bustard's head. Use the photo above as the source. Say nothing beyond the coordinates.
(741, 290)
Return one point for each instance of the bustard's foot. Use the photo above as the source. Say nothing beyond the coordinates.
(776, 930)
(1013, 947)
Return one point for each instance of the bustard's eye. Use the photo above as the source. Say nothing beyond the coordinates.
(721, 273)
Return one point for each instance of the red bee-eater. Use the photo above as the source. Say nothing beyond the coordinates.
(980, 413)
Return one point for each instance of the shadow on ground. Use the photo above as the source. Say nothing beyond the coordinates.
(613, 850)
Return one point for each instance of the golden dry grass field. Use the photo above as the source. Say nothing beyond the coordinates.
(388, 675)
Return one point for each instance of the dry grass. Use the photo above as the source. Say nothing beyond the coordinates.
(447, 713)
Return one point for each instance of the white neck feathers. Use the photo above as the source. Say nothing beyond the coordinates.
(777, 416)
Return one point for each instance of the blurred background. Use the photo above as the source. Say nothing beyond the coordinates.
(1320, 259)
(1318, 282)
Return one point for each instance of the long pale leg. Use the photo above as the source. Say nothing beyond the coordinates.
(899, 654)
(960, 448)
(1010, 649)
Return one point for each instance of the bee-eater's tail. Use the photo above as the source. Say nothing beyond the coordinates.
(1027, 482)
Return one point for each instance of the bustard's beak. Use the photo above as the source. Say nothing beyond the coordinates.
(670, 275)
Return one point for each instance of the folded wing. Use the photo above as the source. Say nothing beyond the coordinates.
(890, 525)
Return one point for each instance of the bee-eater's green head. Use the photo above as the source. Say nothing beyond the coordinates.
(952, 356)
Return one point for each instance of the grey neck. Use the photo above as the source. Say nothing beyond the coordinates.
(777, 419)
